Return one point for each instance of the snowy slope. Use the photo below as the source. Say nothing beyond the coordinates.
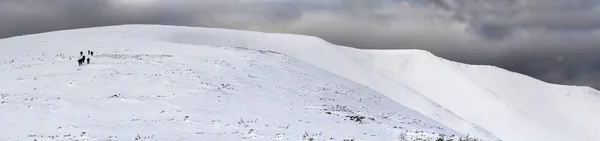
(510, 105)
(481, 101)
(322, 54)
(142, 84)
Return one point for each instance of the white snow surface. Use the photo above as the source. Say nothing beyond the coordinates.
(142, 85)
(217, 77)
(509, 105)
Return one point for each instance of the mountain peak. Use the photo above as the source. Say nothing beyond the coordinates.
(481, 101)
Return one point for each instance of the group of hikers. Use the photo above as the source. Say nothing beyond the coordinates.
(83, 59)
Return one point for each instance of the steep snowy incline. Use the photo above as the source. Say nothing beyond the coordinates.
(155, 90)
(138, 61)
(305, 48)
(510, 105)
(444, 92)
(324, 55)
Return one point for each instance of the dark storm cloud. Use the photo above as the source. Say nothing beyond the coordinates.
(560, 15)
(33, 16)
(554, 40)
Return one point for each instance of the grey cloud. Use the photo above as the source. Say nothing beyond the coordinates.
(526, 36)
(29, 16)
(529, 14)
(554, 40)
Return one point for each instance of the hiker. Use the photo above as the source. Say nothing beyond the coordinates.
(88, 52)
(80, 61)
(83, 58)
(81, 53)
(92, 53)
(88, 60)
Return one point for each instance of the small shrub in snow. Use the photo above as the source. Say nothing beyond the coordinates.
(307, 137)
(139, 138)
(115, 96)
(225, 86)
(310, 137)
(356, 118)
(402, 137)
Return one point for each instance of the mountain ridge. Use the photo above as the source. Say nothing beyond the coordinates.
(402, 81)
(137, 90)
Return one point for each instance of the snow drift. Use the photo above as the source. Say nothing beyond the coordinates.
(480, 101)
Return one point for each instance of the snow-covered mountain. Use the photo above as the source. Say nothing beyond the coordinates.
(185, 83)
(141, 86)
(509, 105)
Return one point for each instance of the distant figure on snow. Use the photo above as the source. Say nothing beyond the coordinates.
(81, 53)
(80, 61)
(92, 53)
(88, 60)
(88, 52)
(83, 58)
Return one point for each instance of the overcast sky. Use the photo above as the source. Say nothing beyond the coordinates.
(554, 40)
